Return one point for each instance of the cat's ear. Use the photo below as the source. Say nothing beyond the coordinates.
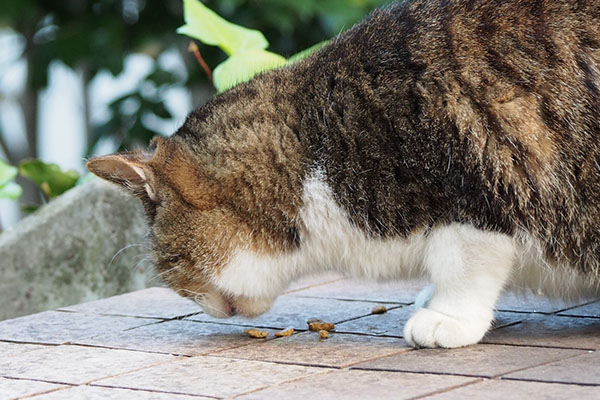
(130, 170)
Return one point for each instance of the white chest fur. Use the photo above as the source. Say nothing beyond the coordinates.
(329, 242)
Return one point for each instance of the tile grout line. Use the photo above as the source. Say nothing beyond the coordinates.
(497, 376)
(299, 364)
(551, 382)
(401, 371)
(107, 347)
(275, 362)
(594, 317)
(451, 388)
(402, 350)
(500, 376)
(69, 387)
(575, 306)
(281, 383)
(537, 346)
(28, 396)
(151, 390)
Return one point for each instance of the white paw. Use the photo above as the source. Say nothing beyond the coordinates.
(429, 328)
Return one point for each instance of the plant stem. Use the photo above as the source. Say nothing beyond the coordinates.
(193, 48)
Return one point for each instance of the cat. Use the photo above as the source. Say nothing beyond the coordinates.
(453, 139)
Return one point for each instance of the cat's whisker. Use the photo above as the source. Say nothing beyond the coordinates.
(144, 258)
(205, 305)
(200, 299)
(161, 274)
(123, 249)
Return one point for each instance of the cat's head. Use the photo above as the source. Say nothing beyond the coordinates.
(211, 236)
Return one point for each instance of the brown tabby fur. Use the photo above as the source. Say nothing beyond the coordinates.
(426, 113)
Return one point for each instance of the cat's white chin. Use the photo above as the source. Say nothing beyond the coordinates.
(218, 305)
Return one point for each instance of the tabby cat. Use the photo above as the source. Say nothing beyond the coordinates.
(453, 139)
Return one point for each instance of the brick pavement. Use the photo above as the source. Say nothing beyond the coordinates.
(152, 344)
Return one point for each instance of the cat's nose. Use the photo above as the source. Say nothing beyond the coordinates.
(230, 310)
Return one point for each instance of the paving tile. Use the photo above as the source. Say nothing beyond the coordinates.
(509, 389)
(76, 364)
(16, 388)
(340, 350)
(403, 292)
(529, 302)
(313, 280)
(8, 349)
(104, 393)
(154, 302)
(591, 310)
(477, 360)
(390, 323)
(547, 330)
(353, 384)
(582, 369)
(294, 311)
(210, 376)
(57, 327)
(176, 337)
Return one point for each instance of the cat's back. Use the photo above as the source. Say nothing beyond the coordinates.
(486, 112)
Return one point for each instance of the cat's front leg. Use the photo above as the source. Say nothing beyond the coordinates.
(468, 268)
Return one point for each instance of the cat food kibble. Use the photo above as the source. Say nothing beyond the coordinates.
(256, 333)
(379, 309)
(316, 325)
(285, 332)
(323, 334)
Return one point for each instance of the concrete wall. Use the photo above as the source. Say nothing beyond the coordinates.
(84, 245)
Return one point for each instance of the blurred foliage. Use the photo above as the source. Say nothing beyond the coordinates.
(49, 177)
(97, 35)
(245, 47)
(8, 188)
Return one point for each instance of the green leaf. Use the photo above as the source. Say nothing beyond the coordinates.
(7, 173)
(30, 209)
(10, 190)
(241, 67)
(205, 25)
(49, 177)
(306, 52)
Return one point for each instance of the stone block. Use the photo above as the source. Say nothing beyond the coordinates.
(85, 245)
